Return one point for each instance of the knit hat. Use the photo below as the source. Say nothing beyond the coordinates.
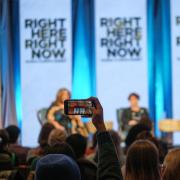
(57, 167)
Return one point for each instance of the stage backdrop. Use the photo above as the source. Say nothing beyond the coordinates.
(121, 53)
(175, 42)
(45, 45)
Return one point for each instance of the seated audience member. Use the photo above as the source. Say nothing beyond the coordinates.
(133, 132)
(147, 122)
(145, 135)
(132, 115)
(14, 147)
(7, 159)
(172, 165)
(60, 148)
(117, 142)
(79, 145)
(142, 162)
(57, 136)
(58, 166)
(43, 142)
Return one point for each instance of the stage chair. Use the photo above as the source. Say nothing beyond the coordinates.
(119, 113)
(41, 115)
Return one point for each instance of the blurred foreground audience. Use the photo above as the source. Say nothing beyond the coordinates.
(88, 168)
(14, 147)
(56, 136)
(42, 141)
(172, 165)
(142, 162)
(7, 159)
(74, 157)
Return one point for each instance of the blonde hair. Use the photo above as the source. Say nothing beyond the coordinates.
(60, 92)
(57, 136)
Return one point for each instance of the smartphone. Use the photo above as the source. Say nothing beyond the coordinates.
(81, 107)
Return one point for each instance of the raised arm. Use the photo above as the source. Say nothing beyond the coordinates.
(108, 162)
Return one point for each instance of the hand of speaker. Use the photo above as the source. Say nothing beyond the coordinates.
(132, 122)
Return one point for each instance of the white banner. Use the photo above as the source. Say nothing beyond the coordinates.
(46, 58)
(175, 42)
(121, 53)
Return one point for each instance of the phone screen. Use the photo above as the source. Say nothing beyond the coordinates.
(78, 107)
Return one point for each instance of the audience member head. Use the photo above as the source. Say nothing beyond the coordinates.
(62, 95)
(133, 99)
(142, 161)
(44, 134)
(147, 122)
(4, 140)
(172, 165)
(57, 166)
(146, 135)
(57, 136)
(61, 148)
(133, 132)
(78, 144)
(14, 133)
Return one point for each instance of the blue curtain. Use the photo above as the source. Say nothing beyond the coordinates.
(162, 58)
(83, 49)
(7, 56)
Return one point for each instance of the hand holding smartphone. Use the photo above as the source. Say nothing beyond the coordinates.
(83, 107)
(87, 108)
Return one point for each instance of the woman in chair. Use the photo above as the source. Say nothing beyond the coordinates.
(56, 116)
(133, 114)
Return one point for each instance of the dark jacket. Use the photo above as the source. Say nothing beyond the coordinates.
(108, 163)
(128, 115)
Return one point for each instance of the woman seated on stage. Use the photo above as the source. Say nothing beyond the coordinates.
(56, 116)
(133, 114)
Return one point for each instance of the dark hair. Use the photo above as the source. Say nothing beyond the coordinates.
(61, 148)
(78, 144)
(146, 135)
(142, 161)
(135, 95)
(172, 164)
(133, 132)
(146, 121)
(4, 139)
(44, 134)
(13, 132)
